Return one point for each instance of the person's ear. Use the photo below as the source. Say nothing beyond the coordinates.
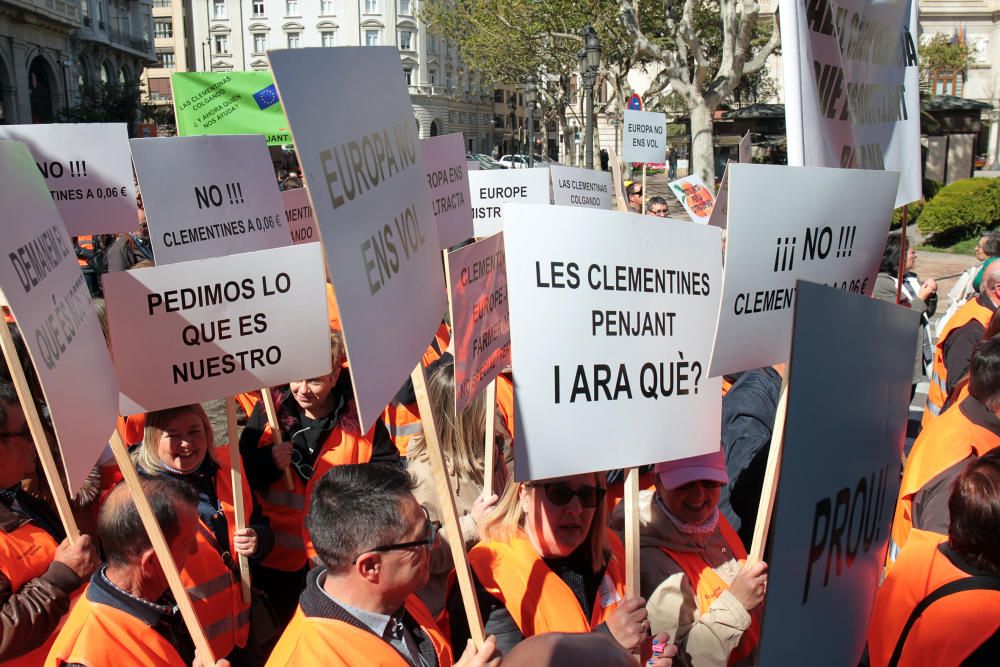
(524, 497)
(149, 565)
(369, 566)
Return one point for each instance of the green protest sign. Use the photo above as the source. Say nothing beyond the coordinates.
(229, 103)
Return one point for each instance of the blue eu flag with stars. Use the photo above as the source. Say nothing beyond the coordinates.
(266, 97)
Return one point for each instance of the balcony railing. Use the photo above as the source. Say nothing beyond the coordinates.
(126, 38)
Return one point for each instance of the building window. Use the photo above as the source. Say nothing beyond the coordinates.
(434, 77)
(327, 37)
(166, 59)
(408, 75)
(259, 42)
(291, 7)
(222, 43)
(156, 3)
(163, 28)
(258, 8)
(218, 9)
(294, 40)
(432, 44)
(159, 88)
(498, 96)
(447, 82)
(947, 83)
(371, 37)
(405, 7)
(326, 7)
(406, 40)
(371, 6)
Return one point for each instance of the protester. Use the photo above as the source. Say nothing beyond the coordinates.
(987, 250)
(131, 248)
(657, 206)
(961, 389)
(39, 568)
(692, 566)
(940, 605)
(178, 443)
(672, 163)
(320, 429)
(359, 606)
(633, 194)
(966, 431)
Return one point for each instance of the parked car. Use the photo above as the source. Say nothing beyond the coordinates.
(514, 161)
(486, 162)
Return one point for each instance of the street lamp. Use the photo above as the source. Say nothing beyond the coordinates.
(512, 105)
(530, 91)
(590, 62)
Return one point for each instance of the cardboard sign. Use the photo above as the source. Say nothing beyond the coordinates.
(745, 150)
(299, 216)
(477, 280)
(190, 332)
(445, 166)
(490, 189)
(581, 187)
(839, 475)
(42, 284)
(830, 228)
(720, 210)
(88, 170)
(208, 196)
(852, 87)
(696, 199)
(229, 103)
(367, 184)
(609, 320)
(645, 137)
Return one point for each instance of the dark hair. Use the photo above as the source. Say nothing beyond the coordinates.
(974, 508)
(633, 188)
(991, 248)
(354, 508)
(293, 182)
(984, 373)
(890, 256)
(659, 201)
(123, 537)
(8, 396)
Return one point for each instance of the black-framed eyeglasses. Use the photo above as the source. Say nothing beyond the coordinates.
(306, 470)
(430, 537)
(658, 211)
(560, 493)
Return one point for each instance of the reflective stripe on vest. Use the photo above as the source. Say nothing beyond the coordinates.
(404, 430)
(210, 587)
(937, 392)
(283, 498)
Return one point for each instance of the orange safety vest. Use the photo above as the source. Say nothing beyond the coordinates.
(86, 243)
(949, 630)
(947, 440)
(310, 640)
(248, 400)
(97, 635)
(287, 509)
(537, 599)
(708, 585)
(216, 592)
(505, 402)
(937, 393)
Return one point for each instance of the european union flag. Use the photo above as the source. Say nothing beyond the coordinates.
(266, 97)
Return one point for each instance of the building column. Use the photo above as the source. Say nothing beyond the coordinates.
(993, 149)
(22, 98)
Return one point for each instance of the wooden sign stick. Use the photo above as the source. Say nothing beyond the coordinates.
(616, 174)
(236, 472)
(771, 474)
(449, 512)
(38, 435)
(631, 501)
(272, 419)
(489, 458)
(643, 188)
(162, 550)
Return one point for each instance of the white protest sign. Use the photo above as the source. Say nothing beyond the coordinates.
(645, 137)
(852, 95)
(208, 196)
(745, 150)
(444, 163)
(839, 475)
(193, 331)
(42, 284)
(572, 186)
(696, 199)
(369, 192)
(299, 216)
(477, 277)
(88, 170)
(494, 187)
(609, 320)
(830, 228)
(472, 165)
(720, 210)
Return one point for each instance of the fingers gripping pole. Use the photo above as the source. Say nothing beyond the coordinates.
(272, 420)
(236, 471)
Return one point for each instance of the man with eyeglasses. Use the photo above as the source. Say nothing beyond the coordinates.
(360, 606)
(657, 206)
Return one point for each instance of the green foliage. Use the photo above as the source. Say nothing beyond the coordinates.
(960, 210)
(913, 214)
(931, 188)
(940, 55)
(105, 103)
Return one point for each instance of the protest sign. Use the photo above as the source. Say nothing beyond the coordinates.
(299, 216)
(48, 296)
(369, 193)
(477, 282)
(645, 137)
(745, 150)
(208, 196)
(218, 326)
(492, 188)
(830, 228)
(580, 187)
(229, 103)
(720, 210)
(444, 163)
(852, 96)
(609, 320)
(839, 474)
(696, 199)
(88, 170)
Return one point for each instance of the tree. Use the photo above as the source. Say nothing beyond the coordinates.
(105, 103)
(943, 57)
(706, 48)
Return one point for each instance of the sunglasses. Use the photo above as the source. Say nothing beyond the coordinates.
(430, 537)
(561, 494)
(704, 483)
(304, 469)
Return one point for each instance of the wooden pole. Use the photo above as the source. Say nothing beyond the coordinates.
(272, 419)
(771, 475)
(643, 209)
(616, 174)
(38, 435)
(449, 512)
(489, 460)
(162, 550)
(631, 500)
(902, 256)
(236, 472)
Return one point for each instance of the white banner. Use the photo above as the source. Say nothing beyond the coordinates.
(852, 94)
(88, 169)
(696, 199)
(645, 137)
(299, 216)
(208, 196)
(493, 187)
(444, 163)
(360, 156)
(195, 331)
(45, 290)
(839, 475)
(610, 320)
(477, 280)
(581, 187)
(745, 150)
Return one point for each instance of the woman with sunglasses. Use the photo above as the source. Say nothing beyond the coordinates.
(693, 571)
(548, 563)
